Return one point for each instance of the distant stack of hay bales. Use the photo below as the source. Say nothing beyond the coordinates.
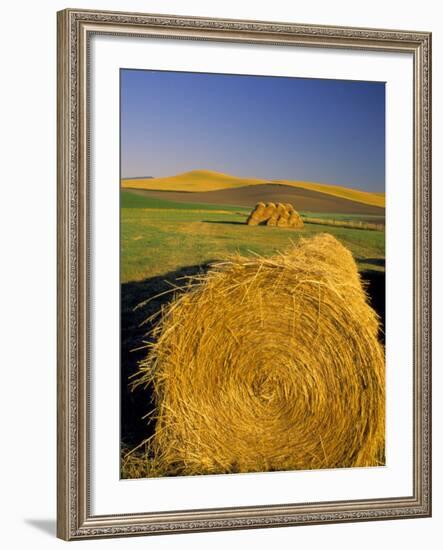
(279, 215)
(268, 364)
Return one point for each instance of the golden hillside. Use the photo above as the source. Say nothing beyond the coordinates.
(196, 180)
(356, 195)
(207, 180)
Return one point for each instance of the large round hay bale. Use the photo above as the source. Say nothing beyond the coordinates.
(269, 364)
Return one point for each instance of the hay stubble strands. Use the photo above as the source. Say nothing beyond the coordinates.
(268, 364)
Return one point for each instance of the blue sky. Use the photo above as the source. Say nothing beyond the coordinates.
(329, 131)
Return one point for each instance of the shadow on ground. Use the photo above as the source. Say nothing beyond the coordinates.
(375, 287)
(137, 404)
(373, 261)
(225, 222)
(48, 526)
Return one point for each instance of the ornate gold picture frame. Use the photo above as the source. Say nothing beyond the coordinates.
(76, 518)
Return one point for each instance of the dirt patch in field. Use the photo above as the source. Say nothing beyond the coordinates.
(302, 199)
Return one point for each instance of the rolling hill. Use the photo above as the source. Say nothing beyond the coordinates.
(206, 181)
(196, 180)
(303, 199)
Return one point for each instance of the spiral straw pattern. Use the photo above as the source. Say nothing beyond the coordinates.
(269, 364)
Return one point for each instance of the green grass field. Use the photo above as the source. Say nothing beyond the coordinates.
(160, 237)
(133, 200)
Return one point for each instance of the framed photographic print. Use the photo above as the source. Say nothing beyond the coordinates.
(243, 274)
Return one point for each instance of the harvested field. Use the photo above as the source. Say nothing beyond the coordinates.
(305, 199)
